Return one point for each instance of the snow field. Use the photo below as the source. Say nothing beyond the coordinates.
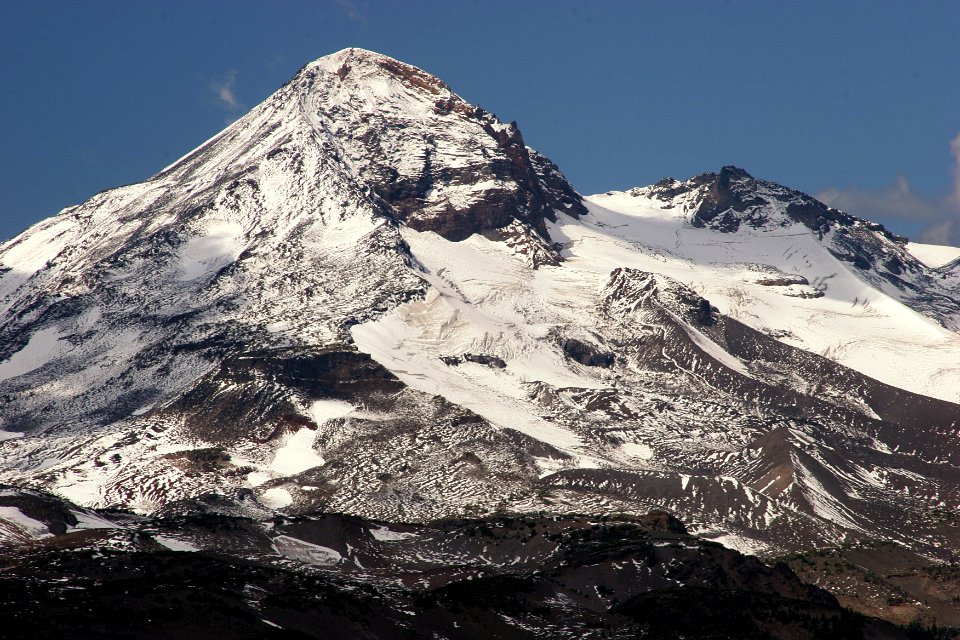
(853, 323)
(933, 255)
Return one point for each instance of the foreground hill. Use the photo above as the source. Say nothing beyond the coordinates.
(115, 575)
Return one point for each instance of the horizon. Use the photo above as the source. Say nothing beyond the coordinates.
(868, 130)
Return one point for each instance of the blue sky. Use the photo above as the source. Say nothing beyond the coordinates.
(857, 102)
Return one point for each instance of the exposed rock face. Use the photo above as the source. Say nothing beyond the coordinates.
(733, 197)
(259, 394)
(585, 353)
(725, 195)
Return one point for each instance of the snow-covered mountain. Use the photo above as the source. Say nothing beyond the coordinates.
(368, 296)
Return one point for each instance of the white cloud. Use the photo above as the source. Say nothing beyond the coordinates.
(895, 201)
(946, 232)
(223, 91)
(899, 202)
(353, 11)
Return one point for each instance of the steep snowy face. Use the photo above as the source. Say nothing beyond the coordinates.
(114, 304)
(420, 153)
(280, 230)
(788, 265)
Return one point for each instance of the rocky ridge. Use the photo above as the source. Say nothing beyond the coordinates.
(726, 200)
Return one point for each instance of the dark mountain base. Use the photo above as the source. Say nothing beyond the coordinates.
(884, 580)
(179, 595)
(334, 576)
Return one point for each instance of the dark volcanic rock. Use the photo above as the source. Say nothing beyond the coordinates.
(725, 194)
(478, 358)
(704, 312)
(333, 576)
(586, 354)
(733, 197)
(487, 360)
(255, 389)
(53, 512)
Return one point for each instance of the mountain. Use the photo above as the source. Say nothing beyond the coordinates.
(369, 297)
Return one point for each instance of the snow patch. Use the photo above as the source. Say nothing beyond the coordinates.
(276, 498)
(547, 466)
(297, 454)
(933, 255)
(76, 487)
(306, 552)
(327, 409)
(637, 450)
(745, 546)
(383, 534)
(175, 544)
(257, 478)
(86, 520)
(216, 248)
(28, 525)
(44, 346)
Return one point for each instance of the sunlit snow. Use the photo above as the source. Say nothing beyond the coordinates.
(297, 454)
(933, 255)
(276, 498)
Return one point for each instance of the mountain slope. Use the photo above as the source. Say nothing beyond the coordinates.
(821, 279)
(368, 296)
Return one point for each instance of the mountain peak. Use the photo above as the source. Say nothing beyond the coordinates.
(361, 65)
(435, 161)
(733, 201)
(730, 171)
(726, 200)
(356, 56)
(423, 155)
(354, 53)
